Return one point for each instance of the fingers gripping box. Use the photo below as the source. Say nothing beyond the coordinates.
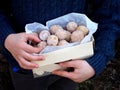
(54, 55)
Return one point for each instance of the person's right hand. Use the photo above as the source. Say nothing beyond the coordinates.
(17, 45)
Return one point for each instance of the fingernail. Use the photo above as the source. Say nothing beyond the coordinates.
(42, 57)
(37, 66)
(61, 64)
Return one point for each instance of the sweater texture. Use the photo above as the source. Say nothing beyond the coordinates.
(18, 13)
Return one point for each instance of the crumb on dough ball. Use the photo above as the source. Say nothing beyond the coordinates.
(43, 35)
(52, 40)
(55, 28)
(42, 44)
(77, 36)
(62, 42)
(83, 28)
(71, 26)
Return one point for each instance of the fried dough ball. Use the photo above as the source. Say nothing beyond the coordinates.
(42, 44)
(55, 28)
(77, 36)
(63, 35)
(71, 26)
(83, 28)
(63, 42)
(52, 40)
(68, 36)
(43, 35)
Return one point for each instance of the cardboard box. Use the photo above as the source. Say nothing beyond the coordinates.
(81, 51)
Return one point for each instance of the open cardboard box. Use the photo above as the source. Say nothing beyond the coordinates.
(81, 51)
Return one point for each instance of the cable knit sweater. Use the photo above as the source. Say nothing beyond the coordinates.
(15, 14)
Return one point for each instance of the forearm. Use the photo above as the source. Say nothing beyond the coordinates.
(5, 30)
(108, 18)
(103, 51)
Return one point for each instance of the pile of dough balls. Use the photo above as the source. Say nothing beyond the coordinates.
(57, 35)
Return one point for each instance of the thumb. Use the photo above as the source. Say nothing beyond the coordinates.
(73, 63)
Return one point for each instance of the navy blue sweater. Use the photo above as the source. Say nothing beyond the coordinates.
(15, 14)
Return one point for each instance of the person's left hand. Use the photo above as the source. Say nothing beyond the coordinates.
(82, 70)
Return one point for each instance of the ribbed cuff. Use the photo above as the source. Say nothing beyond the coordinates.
(13, 64)
(9, 58)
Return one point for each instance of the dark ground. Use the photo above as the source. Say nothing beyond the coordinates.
(108, 80)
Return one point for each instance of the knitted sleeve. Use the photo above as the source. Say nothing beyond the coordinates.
(5, 30)
(108, 18)
(5, 27)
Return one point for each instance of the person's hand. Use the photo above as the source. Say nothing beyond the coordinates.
(17, 45)
(82, 70)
